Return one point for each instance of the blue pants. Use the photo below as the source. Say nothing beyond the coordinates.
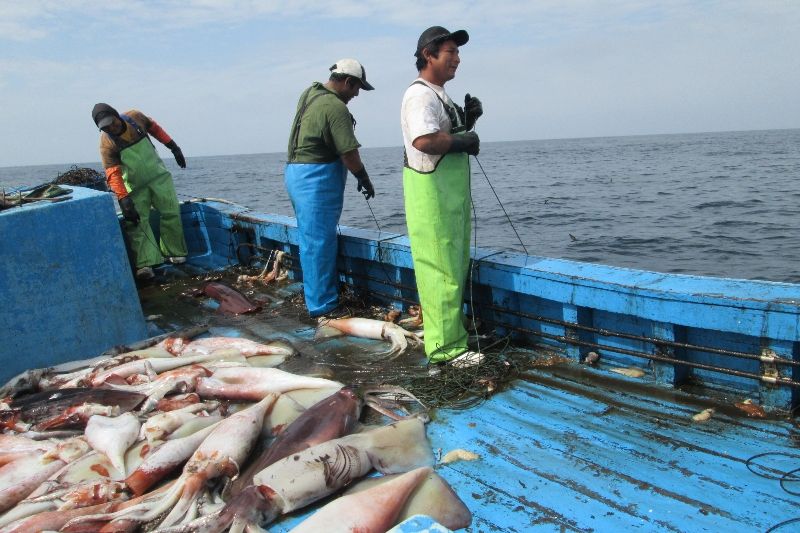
(317, 194)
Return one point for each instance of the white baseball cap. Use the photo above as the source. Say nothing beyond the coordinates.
(353, 68)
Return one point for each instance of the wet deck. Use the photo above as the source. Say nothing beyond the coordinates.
(565, 447)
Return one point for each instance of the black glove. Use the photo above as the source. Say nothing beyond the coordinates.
(176, 151)
(364, 185)
(472, 110)
(129, 212)
(467, 142)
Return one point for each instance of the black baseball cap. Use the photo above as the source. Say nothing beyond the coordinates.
(438, 33)
(103, 115)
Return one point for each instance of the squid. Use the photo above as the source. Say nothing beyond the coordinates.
(181, 379)
(78, 415)
(220, 454)
(66, 407)
(432, 497)
(277, 273)
(113, 436)
(253, 384)
(166, 458)
(374, 509)
(246, 347)
(56, 520)
(148, 366)
(160, 425)
(330, 418)
(178, 401)
(83, 482)
(21, 477)
(314, 473)
(13, 447)
(378, 330)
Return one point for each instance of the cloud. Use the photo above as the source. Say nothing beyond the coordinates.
(224, 76)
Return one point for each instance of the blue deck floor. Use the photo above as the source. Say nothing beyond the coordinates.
(562, 451)
(571, 448)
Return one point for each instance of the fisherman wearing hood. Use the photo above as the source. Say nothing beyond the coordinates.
(136, 174)
(322, 148)
(436, 186)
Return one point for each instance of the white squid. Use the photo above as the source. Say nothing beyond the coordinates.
(220, 454)
(253, 384)
(113, 436)
(374, 509)
(376, 329)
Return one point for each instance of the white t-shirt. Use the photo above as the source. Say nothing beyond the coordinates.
(421, 114)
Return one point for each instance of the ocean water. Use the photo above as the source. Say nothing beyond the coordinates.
(717, 204)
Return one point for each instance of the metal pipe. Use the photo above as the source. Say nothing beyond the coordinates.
(767, 379)
(599, 331)
(651, 340)
(702, 366)
(605, 333)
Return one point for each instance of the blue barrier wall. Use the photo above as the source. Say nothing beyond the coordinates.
(66, 286)
(741, 337)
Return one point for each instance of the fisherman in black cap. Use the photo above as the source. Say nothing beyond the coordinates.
(438, 140)
(136, 174)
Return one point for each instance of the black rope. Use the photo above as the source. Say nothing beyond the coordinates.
(781, 524)
(781, 476)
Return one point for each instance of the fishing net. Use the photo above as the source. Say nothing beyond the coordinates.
(463, 388)
(358, 362)
(83, 177)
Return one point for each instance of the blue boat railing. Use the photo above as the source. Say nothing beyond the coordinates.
(735, 337)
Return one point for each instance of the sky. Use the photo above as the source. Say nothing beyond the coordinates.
(223, 76)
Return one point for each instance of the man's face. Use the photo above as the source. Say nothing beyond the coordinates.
(352, 88)
(444, 66)
(115, 128)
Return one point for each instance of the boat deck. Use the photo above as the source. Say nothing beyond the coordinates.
(564, 447)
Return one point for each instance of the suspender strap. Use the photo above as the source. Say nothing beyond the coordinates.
(299, 119)
(455, 123)
(121, 145)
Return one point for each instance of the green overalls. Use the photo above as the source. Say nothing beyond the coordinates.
(439, 227)
(149, 183)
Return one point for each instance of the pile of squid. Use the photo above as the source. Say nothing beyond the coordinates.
(208, 435)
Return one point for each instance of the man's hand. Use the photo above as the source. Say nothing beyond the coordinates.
(129, 212)
(176, 151)
(467, 142)
(364, 184)
(472, 110)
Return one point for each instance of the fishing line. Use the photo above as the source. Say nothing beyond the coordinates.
(474, 263)
(501, 205)
(378, 241)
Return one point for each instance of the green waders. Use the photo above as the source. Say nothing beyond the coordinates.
(439, 227)
(149, 183)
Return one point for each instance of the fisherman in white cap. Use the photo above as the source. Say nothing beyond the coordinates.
(322, 148)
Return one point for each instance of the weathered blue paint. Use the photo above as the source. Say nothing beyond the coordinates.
(571, 448)
(66, 286)
(522, 295)
(419, 524)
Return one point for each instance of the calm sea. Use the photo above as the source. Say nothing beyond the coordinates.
(720, 204)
